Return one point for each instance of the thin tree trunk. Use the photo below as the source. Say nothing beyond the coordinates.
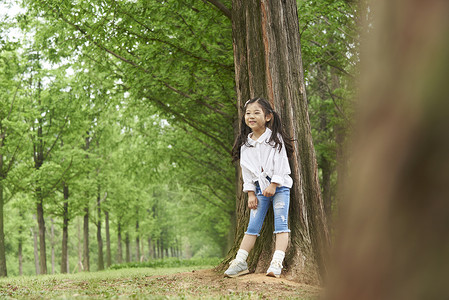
(20, 246)
(36, 248)
(324, 163)
(3, 270)
(268, 63)
(150, 249)
(100, 262)
(119, 244)
(41, 225)
(108, 240)
(86, 264)
(137, 240)
(80, 248)
(52, 244)
(142, 251)
(393, 234)
(340, 132)
(154, 250)
(65, 230)
(38, 155)
(161, 247)
(127, 248)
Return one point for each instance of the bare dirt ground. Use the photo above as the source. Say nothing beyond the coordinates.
(209, 283)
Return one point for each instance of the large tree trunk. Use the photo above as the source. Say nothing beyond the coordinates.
(268, 63)
(108, 240)
(393, 238)
(86, 265)
(100, 262)
(3, 271)
(65, 230)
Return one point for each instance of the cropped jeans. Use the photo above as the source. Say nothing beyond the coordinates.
(280, 201)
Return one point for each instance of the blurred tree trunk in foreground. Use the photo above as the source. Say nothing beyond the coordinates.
(393, 238)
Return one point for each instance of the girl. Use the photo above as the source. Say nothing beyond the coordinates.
(265, 171)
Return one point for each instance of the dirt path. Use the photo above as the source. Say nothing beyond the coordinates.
(205, 283)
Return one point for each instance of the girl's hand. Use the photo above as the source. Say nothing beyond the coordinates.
(252, 200)
(270, 190)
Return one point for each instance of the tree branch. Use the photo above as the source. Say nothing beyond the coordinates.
(226, 11)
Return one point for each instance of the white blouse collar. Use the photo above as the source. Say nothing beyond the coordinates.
(264, 137)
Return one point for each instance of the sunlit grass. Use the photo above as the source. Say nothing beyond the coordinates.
(167, 282)
(123, 283)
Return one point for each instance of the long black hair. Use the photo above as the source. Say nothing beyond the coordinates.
(274, 124)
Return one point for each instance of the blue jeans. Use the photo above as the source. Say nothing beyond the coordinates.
(280, 201)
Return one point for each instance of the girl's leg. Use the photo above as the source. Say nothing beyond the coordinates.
(281, 202)
(282, 241)
(238, 265)
(248, 242)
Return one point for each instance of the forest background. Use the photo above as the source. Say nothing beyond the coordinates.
(117, 120)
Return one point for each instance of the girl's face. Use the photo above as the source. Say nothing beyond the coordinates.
(255, 117)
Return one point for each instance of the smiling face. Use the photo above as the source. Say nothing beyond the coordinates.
(255, 118)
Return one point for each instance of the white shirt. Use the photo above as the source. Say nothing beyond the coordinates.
(263, 156)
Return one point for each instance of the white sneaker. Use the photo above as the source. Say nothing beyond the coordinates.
(275, 269)
(237, 268)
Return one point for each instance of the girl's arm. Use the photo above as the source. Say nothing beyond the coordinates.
(281, 167)
(252, 200)
(270, 190)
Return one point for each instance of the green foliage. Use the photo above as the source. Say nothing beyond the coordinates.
(133, 102)
(169, 263)
(330, 45)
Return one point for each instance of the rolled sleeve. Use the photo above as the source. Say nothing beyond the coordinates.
(281, 168)
(247, 187)
(278, 179)
(248, 184)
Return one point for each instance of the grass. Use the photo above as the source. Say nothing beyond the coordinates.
(170, 279)
(136, 281)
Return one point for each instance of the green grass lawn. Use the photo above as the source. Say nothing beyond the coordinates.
(169, 279)
(111, 284)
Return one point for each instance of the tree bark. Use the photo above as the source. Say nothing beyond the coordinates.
(36, 249)
(86, 265)
(127, 248)
(267, 60)
(324, 163)
(80, 248)
(119, 244)
(392, 240)
(38, 156)
(100, 262)
(52, 245)
(20, 245)
(65, 230)
(3, 270)
(41, 225)
(137, 240)
(20, 254)
(108, 240)
(150, 249)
